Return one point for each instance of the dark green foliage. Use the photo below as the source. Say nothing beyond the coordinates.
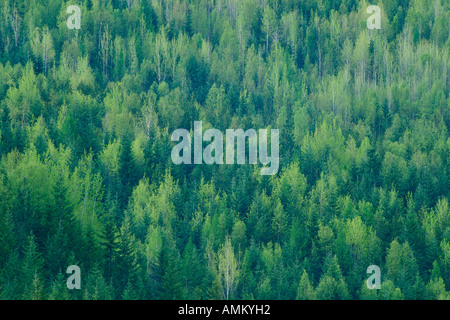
(86, 176)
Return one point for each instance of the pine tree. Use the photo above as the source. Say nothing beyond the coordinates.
(305, 290)
(168, 276)
(127, 264)
(59, 289)
(32, 267)
(127, 170)
(109, 239)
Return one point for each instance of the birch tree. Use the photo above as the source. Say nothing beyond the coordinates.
(228, 269)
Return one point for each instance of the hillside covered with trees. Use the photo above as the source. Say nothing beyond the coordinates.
(86, 176)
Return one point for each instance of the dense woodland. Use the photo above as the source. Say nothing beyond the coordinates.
(86, 176)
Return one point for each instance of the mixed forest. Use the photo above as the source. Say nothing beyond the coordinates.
(86, 176)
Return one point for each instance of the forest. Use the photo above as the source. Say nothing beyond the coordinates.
(86, 176)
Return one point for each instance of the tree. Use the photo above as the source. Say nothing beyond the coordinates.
(279, 222)
(305, 290)
(228, 269)
(401, 266)
(269, 24)
(170, 286)
(127, 264)
(32, 267)
(42, 47)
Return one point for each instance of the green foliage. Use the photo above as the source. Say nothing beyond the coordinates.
(86, 176)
